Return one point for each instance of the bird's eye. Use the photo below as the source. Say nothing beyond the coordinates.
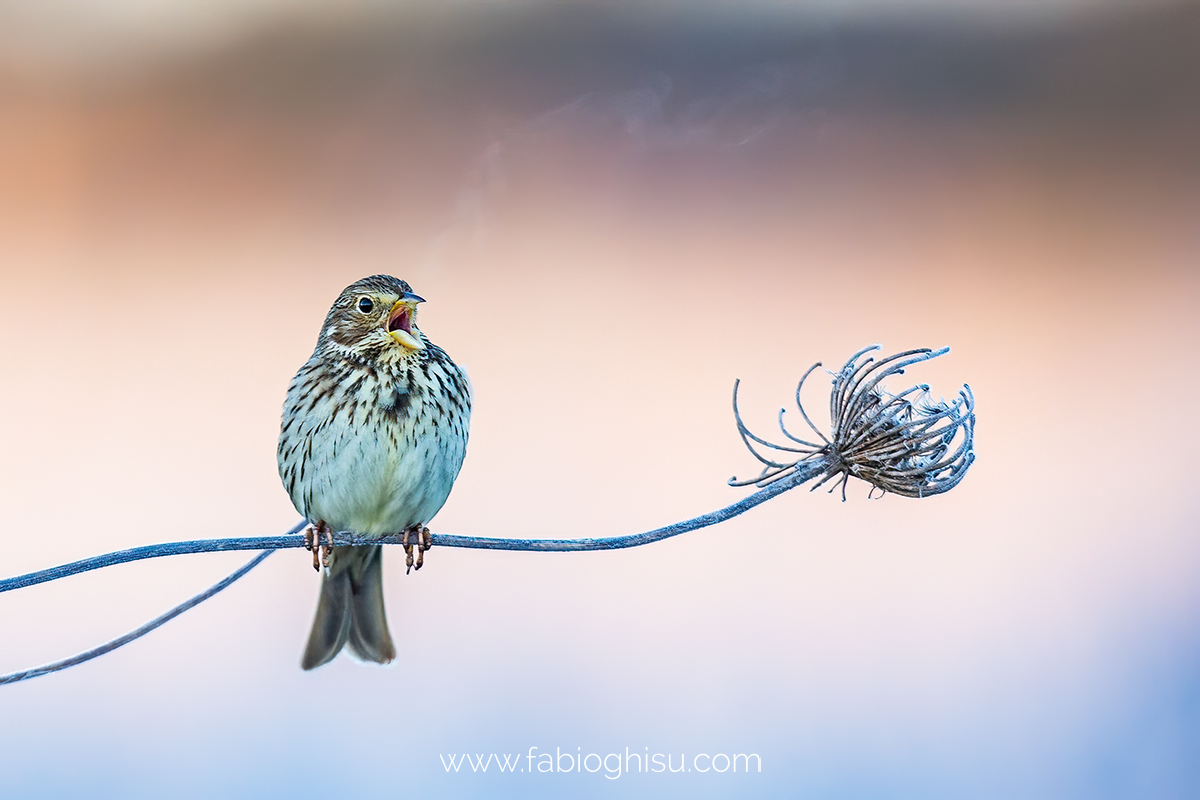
(365, 305)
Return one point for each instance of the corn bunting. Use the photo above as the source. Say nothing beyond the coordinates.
(373, 435)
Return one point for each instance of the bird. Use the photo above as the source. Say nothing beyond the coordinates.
(372, 438)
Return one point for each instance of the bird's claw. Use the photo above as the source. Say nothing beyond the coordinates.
(312, 542)
(308, 543)
(424, 542)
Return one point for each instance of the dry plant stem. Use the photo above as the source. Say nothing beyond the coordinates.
(295, 539)
(911, 447)
(905, 443)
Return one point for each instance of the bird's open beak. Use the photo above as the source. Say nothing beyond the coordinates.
(400, 321)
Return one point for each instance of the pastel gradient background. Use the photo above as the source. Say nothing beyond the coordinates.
(613, 211)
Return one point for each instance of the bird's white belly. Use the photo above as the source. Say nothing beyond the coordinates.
(368, 485)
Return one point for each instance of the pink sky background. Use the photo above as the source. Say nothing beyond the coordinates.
(605, 252)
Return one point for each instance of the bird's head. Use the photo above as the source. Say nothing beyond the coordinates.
(373, 318)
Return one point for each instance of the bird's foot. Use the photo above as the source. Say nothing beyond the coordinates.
(424, 542)
(312, 541)
(327, 547)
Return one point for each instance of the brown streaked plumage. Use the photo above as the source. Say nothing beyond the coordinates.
(373, 435)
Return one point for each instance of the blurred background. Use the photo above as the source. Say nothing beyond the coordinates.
(614, 210)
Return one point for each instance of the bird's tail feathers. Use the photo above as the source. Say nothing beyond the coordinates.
(350, 610)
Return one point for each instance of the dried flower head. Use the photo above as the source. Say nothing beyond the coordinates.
(906, 443)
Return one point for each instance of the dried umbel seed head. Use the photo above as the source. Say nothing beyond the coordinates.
(905, 443)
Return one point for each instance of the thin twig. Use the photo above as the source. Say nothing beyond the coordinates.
(162, 619)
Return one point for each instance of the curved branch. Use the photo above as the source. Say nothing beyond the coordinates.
(293, 539)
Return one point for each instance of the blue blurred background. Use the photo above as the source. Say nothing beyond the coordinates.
(614, 210)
